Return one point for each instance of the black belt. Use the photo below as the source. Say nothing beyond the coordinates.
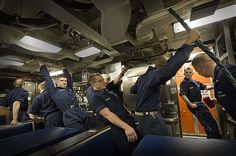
(72, 106)
(152, 113)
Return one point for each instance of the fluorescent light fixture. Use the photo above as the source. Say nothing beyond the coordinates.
(37, 45)
(219, 15)
(59, 72)
(88, 51)
(11, 60)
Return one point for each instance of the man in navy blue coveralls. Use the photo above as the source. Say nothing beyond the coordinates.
(225, 92)
(110, 107)
(147, 115)
(110, 85)
(190, 91)
(43, 105)
(64, 97)
(17, 99)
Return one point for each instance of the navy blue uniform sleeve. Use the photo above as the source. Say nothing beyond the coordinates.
(134, 88)
(172, 66)
(111, 86)
(89, 93)
(36, 106)
(97, 103)
(47, 79)
(69, 79)
(21, 96)
(183, 89)
(202, 86)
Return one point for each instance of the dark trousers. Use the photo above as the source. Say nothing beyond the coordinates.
(95, 122)
(124, 148)
(207, 121)
(78, 118)
(54, 119)
(148, 124)
(75, 118)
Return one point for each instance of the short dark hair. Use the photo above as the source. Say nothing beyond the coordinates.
(60, 76)
(18, 77)
(18, 83)
(92, 78)
(188, 68)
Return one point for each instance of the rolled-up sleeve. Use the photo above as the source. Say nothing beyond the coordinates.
(97, 103)
(183, 89)
(21, 96)
(202, 86)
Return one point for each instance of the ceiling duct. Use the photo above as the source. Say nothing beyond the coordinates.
(115, 17)
(204, 10)
(76, 4)
(144, 30)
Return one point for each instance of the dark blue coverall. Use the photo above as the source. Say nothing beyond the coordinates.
(17, 94)
(115, 88)
(224, 91)
(43, 105)
(73, 115)
(89, 93)
(147, 88)
(105, 99)
(192, 90)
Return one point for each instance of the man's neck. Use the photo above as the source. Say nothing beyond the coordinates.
(98, 90)
(187, 78)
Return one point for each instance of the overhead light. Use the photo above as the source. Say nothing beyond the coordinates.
(11, 60)
(219, 15)
(59, 72)
(37, 45)
(88, 51)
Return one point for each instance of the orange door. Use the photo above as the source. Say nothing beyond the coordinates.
(190, 125)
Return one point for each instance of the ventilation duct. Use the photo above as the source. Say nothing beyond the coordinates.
(144, 30)
(115, 19)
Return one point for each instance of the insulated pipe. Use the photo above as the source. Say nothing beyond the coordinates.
(200, 44)
(27, 23)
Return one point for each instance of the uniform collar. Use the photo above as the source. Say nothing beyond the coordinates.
(150, 68)
(188, 80)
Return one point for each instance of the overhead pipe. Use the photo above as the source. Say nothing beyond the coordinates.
(27, 23)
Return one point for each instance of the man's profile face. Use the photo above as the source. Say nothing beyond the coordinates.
(99, 83)
(19, 82)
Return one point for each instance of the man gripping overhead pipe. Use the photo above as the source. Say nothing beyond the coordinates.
(223, 76)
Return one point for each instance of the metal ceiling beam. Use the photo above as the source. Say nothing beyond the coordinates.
(64, 16)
